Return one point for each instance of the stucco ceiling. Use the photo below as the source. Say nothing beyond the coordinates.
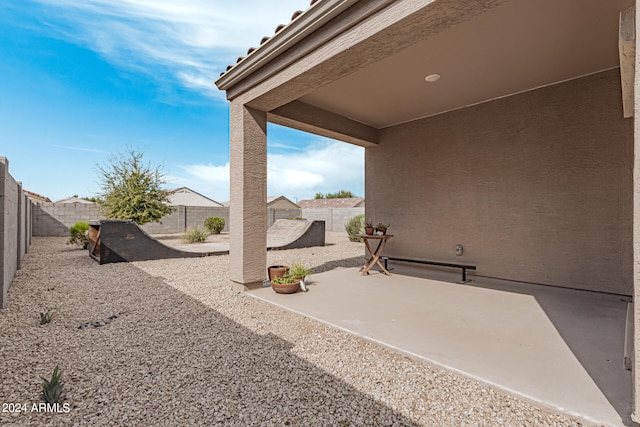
(517, 46)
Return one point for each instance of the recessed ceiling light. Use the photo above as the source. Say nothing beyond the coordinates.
(432, 78)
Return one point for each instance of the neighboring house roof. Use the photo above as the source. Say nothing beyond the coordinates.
(349, 202)
(187, 197)
(271, 200)
(36, 197)
(74, 200)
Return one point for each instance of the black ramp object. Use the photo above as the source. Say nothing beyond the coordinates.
(122, 241)
(294, 234)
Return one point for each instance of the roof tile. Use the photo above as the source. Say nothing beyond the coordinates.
(266, 38)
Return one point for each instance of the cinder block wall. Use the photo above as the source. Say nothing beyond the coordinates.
(335, 218)
(55, 219)
(169, 224)
(537, 187)
(197, 214)
(275, 213)
(187, 216)
(15, 228)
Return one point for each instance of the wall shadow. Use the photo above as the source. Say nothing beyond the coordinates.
(45, 224)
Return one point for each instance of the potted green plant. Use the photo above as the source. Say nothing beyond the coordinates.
(368, 226)
(381, 228)
(298, 271)
(291, 280)
(285, 284)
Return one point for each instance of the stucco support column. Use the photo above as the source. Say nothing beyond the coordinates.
(627, 52)
(248, 205)
(635, 414)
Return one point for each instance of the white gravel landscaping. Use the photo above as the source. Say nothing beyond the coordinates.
(168, 343)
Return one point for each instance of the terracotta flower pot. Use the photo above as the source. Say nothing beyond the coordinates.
(382, 230)
(369, 230)
(285, 288)
(274, 271)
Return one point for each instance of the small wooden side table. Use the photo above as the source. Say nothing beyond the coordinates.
(375, 255)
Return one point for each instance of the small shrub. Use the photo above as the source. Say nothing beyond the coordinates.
(298, 270)
(214, 224)
(45, 318)
(195, 235)
(79, 234)
(354, 226)
(51, 389)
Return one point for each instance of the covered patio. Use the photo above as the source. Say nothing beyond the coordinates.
(497, 133)
(561, 348)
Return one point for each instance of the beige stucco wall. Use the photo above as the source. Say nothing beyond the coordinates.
(537, 187)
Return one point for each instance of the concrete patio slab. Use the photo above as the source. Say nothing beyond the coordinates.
(559, 347)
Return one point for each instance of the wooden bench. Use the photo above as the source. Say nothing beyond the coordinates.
(464, 267)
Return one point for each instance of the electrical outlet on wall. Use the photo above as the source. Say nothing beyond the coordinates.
(459, 250)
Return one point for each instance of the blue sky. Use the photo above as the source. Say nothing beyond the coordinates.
(82, 80)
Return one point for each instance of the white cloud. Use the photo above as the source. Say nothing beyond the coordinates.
(207, 179)
(326, 166)
(83, 149)
(323, 167)
(281, 145)
(191, 40)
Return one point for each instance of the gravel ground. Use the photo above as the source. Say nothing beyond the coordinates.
(169, 343)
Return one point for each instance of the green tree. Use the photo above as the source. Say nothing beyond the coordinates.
(132, 189)
(342, 194)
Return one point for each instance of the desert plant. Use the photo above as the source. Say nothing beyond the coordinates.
(369, 223)
(298, 270)
(79, 234)
(51, 389)
(286, 279)
(214, 224)
(195, 235)
(382, 225)
(45, 318)
(354, 226)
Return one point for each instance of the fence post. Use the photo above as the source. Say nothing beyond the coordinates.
(19, 226)
(186, 223)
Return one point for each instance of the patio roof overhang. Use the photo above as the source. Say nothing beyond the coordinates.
(347, 69)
